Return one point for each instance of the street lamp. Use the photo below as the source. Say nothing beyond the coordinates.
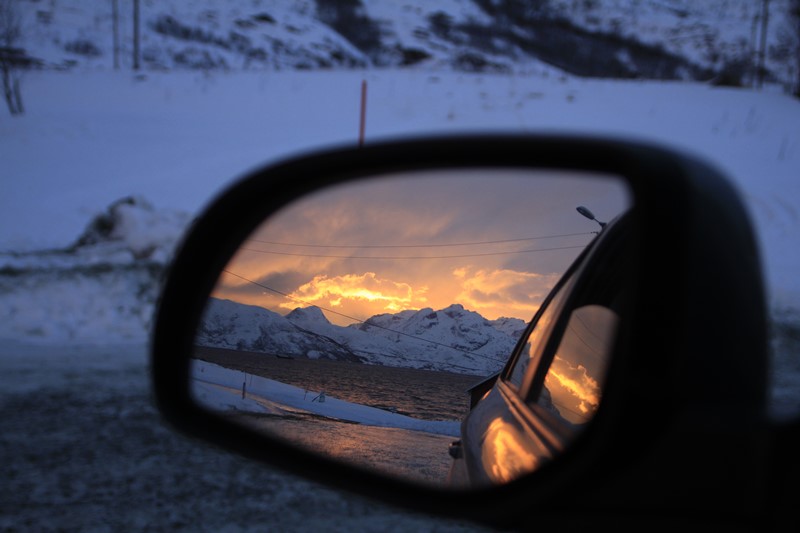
(588, 214)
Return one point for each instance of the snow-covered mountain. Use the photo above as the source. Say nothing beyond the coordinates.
(664, 39)
(451, 339)
(228, 324)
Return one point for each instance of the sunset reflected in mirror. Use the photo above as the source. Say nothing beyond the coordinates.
(353, 321)
(494, 241)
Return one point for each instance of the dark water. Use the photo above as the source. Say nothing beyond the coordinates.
(422, 394)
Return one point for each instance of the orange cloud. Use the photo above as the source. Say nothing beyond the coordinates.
(503, 292)
(381, 294)
(581, 391)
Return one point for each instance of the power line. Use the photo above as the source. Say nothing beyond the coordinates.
(290, 297)
(444, 245)
(415, 257)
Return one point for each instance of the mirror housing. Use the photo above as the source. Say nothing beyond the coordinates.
(680, 431)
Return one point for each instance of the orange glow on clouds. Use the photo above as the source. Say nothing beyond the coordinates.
(336, 291)
(502, 292)
(582, 389)
(493, 240)
(493, 293)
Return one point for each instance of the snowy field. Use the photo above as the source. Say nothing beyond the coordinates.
(82, 445)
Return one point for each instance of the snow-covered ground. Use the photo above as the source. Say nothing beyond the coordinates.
(176, 139)
(220, 389)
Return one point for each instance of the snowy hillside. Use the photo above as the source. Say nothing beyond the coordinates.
(662, 39)
(451, 339)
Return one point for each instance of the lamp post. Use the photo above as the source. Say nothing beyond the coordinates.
(588, 214)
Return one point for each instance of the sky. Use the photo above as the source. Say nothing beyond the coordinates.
(493, 240)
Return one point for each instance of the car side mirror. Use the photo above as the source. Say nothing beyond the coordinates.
(351, 314)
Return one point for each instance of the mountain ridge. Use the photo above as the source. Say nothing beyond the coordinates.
(450, 339)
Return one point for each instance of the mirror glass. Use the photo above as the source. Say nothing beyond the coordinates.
(354, 321)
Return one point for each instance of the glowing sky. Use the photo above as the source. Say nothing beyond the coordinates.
(492, 240)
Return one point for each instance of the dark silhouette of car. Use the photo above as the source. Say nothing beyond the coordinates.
(551, 387)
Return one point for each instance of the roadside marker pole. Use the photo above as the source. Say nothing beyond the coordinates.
(362, 124)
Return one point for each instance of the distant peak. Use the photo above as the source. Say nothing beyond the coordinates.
(307, 314)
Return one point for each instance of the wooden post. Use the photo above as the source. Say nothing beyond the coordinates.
(115, 31)
(135, 34)
(762, 48)
(363, 120)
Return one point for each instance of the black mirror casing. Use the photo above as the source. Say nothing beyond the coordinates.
(679, 441)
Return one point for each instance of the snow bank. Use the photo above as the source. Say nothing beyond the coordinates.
(221, 389)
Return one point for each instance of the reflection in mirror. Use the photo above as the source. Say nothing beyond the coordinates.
(572, 385)
(354, 320)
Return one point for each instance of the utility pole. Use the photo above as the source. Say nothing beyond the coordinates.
(115, 31)
(135, 34)
(762, 47)
(795, 13)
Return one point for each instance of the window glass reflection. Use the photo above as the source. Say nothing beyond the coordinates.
(572, 386)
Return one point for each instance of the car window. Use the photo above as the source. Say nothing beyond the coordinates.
(569, 381)
(573, 383)
(540, 332)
